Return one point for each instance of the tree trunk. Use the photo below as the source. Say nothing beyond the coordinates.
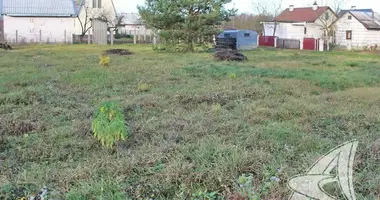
(275, 28)
(81, 38)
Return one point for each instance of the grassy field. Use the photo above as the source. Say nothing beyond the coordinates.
(202, 129)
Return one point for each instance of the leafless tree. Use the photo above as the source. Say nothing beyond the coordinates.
(337, 5)
(85, 23)
(248, 21)
(269, 8)
(325, 23)
(112, 23)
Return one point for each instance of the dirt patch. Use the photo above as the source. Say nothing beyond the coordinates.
(229, 55)
(121, 52)
(220, 98)
(5, 46)
(19, 127)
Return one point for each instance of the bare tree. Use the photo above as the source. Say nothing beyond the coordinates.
(248, 21)
(325, 23)
(85, 23)
(269, 8)
(337, 5)
(112, 23)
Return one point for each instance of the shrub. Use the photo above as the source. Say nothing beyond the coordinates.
(143, 87)
(108, 126)
(104, 60)
(232, 75)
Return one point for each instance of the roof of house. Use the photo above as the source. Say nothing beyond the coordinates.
(306, 14)
(370, 20)
(40, 8)
(342, 12)
(131, 19)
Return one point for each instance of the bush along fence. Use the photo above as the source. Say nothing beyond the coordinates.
(285, 43)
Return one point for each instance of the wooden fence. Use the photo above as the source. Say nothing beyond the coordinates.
(288, 43)
(268, 41)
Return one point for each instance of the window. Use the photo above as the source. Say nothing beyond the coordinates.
(227, 35)
(349, 17)
(348, 35)
(99, 3)
(305, 31)
(327, 16)
(246, 34)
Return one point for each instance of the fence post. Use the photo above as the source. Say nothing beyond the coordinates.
(65, 36)
(134, 36)
(89, 37)
(321, 45)
(139, 36)
(275, 42)
(144, 35)
(40, 36)
(258, 40)
(111, 37)
(16, 36)
(301, 44)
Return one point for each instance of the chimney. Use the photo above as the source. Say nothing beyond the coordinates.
(315, 5)
(291, 8)
(353, 7)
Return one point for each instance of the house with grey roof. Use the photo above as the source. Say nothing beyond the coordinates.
(132, 25)
(357, 28)
(33, 21)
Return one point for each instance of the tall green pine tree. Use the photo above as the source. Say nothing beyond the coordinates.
(185, 21)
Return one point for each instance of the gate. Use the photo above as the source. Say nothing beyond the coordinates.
(99, 32)
(288, 43)
(310, 44)
(267, 41)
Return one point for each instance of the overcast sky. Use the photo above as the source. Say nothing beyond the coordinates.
(246, 5)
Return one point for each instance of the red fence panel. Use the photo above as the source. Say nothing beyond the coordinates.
(266, 41)
(310, 43)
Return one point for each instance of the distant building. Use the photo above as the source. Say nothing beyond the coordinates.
(242, 39)
(94, 8)
(34, 21)
(132, 25)
(299, 23)
(358, 28)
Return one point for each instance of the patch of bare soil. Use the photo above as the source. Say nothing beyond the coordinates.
(121, 52)
(230, 55)
(5, 46)
(19, 127)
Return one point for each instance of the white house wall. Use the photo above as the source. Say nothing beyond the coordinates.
(132, 29)
(297, 30)
(107, 7)
(361, 37)
(28, 29)
(284, 30)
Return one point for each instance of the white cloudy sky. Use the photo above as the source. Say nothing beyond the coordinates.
(246, 5)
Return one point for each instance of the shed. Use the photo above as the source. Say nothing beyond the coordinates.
(245, 39)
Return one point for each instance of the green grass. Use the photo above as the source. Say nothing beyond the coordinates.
(194, 129)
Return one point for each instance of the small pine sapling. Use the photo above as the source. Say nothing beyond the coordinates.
(108, 126)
